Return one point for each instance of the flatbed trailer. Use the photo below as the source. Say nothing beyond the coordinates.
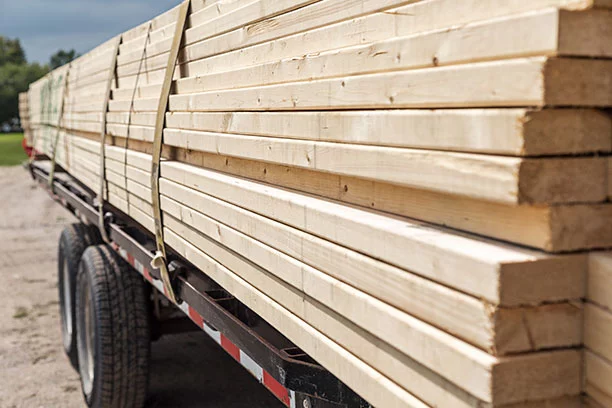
(287, 372)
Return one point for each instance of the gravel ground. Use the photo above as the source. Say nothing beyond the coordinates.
(188, 370)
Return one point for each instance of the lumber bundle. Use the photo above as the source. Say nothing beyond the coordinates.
(408, 190)
(24, 115)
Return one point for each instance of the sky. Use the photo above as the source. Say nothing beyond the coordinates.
(45, 26)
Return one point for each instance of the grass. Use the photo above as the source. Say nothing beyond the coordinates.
(11, 152)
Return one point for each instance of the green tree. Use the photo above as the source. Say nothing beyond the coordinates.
(61, 58)
(15, 77)
(11, 51)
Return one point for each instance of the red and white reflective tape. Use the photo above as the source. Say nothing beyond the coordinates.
(281, 392)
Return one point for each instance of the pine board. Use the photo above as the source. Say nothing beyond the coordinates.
(414, 17)
(513, 132)
(484, 177)
(471, 372)
(366, 231)
(532, 81)
(523, 35)
(598, 379)
(598, 330)
(535, 226)
(599, 287)
(498, 331)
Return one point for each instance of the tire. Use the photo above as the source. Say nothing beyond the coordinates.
(73, 241)
(113, 331)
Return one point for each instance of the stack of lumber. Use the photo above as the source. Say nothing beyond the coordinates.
(24, 115)
(409, 190)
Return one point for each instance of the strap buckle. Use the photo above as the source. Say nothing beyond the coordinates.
(159, 262)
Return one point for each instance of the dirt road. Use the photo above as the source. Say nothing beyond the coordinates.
(188, 370)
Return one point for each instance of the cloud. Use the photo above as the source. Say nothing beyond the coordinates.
(45, 26)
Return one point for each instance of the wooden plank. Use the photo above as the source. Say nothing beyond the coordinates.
(159, 39)
(493, 178)
(447, 46)
(88, 80)
(141, 204)
(586, 33)
(117, 190)
(589, 402)
(377, 21)
(88, 157)
(598, 330)
(83, 126)
(500, 131)
(201, 13)
(315, 15)
(87, 117)
(94, 65)
(540, 328)
(144, 219)
(85, 93)
(159, 21)
(498, 331)
(409, 19)
(536, 226)
(129, 93)
(136, 159)
(250, 13)
(215, 15)
(598, 379)
(599, 289)
(162, 25)
(405, 284)
(144, 78)
(132, 50)
(120, 203)
(374, 387)
(522, 35)
(144, 133)
(425, 380)
(133, 175)
(137, 105)
(218, 56)
(125, 118)
(427, 385)
(532, 81)
(448, 351)
(140, 191)
(149, 63)
(80, 106)
(389, 238)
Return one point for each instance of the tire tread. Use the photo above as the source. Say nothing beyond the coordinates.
(74, 240)
(123, 330)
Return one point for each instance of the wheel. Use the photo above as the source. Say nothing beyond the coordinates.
(73, 241)
(113, 330)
